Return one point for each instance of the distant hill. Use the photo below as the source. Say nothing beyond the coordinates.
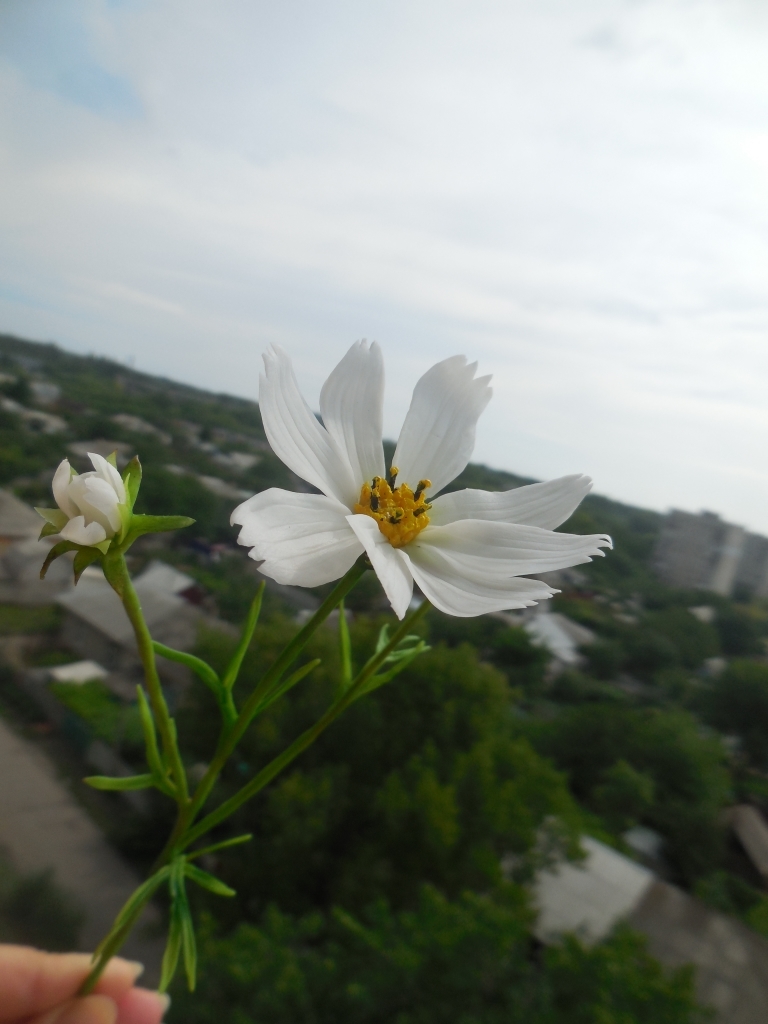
(202, 450)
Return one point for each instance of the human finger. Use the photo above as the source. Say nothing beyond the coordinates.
(32, 982)
(88, 1010)
(140, 1006)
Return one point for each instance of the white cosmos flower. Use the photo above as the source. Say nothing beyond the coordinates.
(468, 551)
(89, 500)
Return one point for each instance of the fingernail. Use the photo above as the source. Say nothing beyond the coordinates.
(166, 1000)
(137, 968)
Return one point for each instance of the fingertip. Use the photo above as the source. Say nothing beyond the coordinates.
(118, 977)
(140, 1006)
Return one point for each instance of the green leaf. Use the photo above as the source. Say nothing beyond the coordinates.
(221, 846)
(233, 668)
(207, 881)
(402, 662)
(56, 552)
(120, 783)
(189, 945)
(112, 458)
(172, 949)
(383, 639)
(154, 524)
(181, 914)
(291, 681)
(199, 667)
(345, 651)
(132, 480)
(139, 898)
(83, 558)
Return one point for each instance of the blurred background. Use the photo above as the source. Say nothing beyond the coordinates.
(575, 196)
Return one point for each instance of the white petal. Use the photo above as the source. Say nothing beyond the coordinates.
(109, 474)
(303, 539)
(82, 494)
(501, 550)
(60, 486)
(295, 435)
(438, 435)
(77, 532)
(465, 593)
(546, 505)
(101, 497)
(352, 404)
(388, 563)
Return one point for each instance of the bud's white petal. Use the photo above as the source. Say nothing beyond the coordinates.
(77, 532)
(61, 481)
(100, 496)
(108, 473)
(81, 491)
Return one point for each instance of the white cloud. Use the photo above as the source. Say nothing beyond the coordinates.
(573, 194)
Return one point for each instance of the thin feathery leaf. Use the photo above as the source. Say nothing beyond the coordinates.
(233, 669)
(126, 782)
(201, 668)
(208, 881)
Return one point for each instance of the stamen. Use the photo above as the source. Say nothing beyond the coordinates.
(400, 514)
(423, 485)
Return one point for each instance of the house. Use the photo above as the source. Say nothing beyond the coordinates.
(561, 636)
(22, 555)
(96, 626)
(591, 897)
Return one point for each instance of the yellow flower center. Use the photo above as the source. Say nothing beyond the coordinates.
(400, 512)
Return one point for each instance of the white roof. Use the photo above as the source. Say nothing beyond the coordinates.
(79, 672)
(589, 897)
(560, 635)
(164, 579)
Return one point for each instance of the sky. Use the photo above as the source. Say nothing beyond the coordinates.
(573, 194)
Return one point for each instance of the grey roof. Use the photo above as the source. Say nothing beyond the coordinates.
(17, 520)
(731, 960)
(94, 601)
(750, 827)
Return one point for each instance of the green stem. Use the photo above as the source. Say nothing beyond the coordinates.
(133, 610)
(307, 738)
(230, 738)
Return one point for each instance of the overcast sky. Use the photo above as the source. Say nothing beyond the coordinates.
(574, 194)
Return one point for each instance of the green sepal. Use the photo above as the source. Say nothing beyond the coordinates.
(208, 881)
(55, 521)
(132, 481)
(49, 530)
(125, 519)
(153, 524)
(112, 458)
(83, 558)
(122, 783)
(56, 552)
(201, 668)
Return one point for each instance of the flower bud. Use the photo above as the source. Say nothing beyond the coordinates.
(89, 501)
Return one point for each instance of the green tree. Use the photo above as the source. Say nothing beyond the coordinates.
(738, 703)
(690, 780)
